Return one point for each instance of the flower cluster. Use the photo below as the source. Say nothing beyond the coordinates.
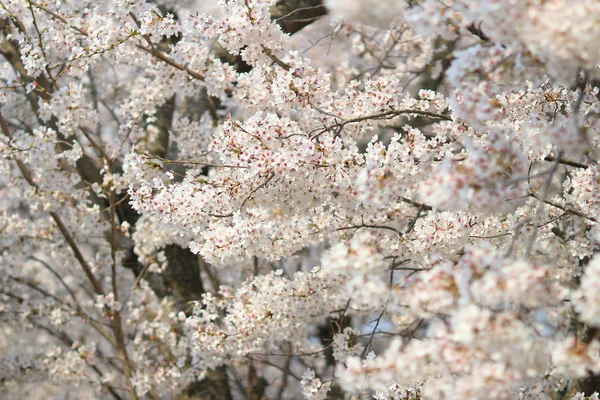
(284, 199)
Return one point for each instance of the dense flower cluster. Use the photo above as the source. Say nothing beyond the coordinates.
(300, 198)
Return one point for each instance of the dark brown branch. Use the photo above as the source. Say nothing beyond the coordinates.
(566, 209)
(566, 162)
(382, 115)
(357, 227)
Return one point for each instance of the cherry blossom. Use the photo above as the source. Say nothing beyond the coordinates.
(299, 199)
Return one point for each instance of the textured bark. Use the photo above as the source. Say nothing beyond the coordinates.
(293, 15)
(157, 131)
(427, 81)
(182, 276)
(215, 386)
(590, 384)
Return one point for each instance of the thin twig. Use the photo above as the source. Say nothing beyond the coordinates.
(538, 213)
(565, 209)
